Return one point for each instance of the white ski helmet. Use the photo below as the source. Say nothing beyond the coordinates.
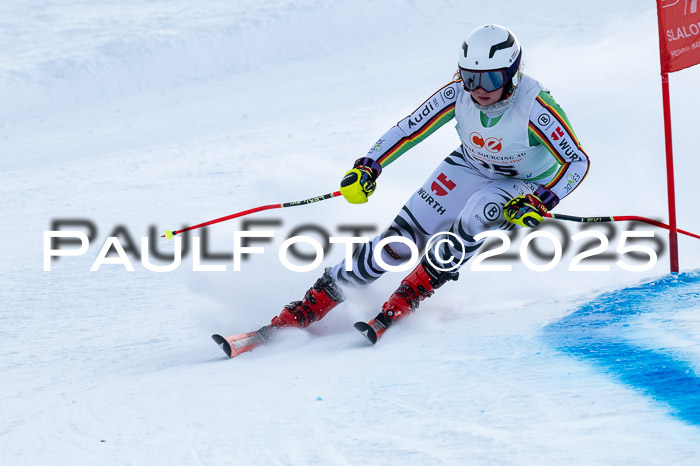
(490, 58)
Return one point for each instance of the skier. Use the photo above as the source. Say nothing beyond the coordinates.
(517, 159)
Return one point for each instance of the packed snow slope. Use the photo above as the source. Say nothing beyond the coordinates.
(135, 117)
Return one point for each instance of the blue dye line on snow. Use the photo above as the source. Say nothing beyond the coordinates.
(600, 332)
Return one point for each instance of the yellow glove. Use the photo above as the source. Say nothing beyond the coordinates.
(360, 182)
(528, 210)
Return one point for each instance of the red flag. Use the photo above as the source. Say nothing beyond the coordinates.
(679, 33)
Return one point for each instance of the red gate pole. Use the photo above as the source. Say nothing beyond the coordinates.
(673, 231)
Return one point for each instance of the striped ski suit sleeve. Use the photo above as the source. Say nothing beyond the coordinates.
(550, 126)
(424, 121)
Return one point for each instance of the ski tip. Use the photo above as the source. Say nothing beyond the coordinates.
(223, 344)
(365, 329)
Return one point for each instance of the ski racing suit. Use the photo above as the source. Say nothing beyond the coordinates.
(508, 149)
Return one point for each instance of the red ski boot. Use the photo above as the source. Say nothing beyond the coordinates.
(317, 302)
(421, 283)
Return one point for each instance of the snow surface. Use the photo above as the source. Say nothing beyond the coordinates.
(165, 113)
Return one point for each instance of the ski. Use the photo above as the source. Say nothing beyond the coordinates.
(372, 330)
(239, 344)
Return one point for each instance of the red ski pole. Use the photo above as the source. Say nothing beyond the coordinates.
(617, 218)
(169, 233)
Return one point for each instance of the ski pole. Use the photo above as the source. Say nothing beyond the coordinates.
(617, 218)
(169, 233)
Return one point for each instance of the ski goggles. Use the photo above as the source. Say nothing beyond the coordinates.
(489, 80)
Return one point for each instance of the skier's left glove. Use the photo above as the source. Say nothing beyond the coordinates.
(528, 210)
(360, 182)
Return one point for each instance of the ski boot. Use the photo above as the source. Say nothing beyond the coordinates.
(420, 284)
(317, 302)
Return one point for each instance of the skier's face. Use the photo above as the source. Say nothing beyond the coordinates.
(485, 98)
